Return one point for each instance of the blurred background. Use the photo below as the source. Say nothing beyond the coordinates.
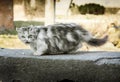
(100, 17)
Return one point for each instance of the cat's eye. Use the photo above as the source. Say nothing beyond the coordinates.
(23, 36)
(84, 34)
(30, 36)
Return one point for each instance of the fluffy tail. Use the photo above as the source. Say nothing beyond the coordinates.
(98, 42)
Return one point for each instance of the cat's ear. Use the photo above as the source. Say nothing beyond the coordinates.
(17, 29)
(36, 30)
(30, 27)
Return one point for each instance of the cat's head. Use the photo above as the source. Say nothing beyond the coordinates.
(27, 34)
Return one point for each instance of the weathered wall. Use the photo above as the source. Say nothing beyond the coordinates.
(36, 9)
(29, 9)
(6, 14)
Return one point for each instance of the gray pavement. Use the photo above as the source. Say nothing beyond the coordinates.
(100, 57)
(20, 65)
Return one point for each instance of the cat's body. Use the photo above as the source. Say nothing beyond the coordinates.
(57, 38)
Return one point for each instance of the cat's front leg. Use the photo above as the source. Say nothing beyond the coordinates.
(38, 53)
(34, 48)
(42, 47)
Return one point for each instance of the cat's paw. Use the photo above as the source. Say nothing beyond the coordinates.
(37, 53)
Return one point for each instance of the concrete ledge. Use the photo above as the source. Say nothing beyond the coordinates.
(18, 65)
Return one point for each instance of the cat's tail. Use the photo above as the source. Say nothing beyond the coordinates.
(97, 42)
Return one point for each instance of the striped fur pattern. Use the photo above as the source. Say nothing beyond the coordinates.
(57, 39)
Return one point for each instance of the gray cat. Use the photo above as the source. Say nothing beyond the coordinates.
(57, 39)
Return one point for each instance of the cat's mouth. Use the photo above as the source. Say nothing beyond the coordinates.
(27, 42)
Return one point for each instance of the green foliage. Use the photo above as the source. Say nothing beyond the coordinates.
(112, 10)
(18, 24)
(6, 31)
(91, 8)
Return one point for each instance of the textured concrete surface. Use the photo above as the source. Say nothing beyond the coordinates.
(18, 65)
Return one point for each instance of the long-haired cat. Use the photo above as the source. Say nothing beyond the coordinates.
(57, 38)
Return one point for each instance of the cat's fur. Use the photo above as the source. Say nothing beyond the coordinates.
(57, 38)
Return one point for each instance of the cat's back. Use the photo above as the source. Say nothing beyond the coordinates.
(60, 29)
(63, 27)
(60, 26)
